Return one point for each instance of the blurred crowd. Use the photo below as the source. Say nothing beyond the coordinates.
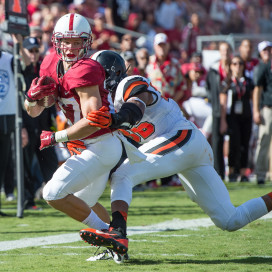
(158, 40)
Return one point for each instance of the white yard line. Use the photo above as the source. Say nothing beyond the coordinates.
(175, 224)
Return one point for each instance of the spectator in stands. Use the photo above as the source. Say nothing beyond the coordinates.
(57, 10)
(7, 113)
(190, 32)
(197, 108)
(36, 32)
(43, 39)
(134, 21)
(175, 37)
(164, 71)
(130, 62)
(166, 14)
(102, 38)
(127, 43)
(264, 20)
(117, 12)
(197, 58)
(246, 50)
(264, 49)
(142, 58)
(235, 23)
(262, 115)
(236, 117)
(251, 25)
(216, 74)
(36, 18)
(87, 8)
(148, 24)
(33, 6)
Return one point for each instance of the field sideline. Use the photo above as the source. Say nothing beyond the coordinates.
(167, 232)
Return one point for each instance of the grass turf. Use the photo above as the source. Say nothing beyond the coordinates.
(202, 249)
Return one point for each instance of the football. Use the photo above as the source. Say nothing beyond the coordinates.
(50, 100)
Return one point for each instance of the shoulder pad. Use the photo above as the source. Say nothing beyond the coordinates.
(134, 85)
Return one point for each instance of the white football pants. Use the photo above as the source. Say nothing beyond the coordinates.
(191, 156)
(89, 169)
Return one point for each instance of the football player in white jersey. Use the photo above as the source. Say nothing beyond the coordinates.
(171, 145)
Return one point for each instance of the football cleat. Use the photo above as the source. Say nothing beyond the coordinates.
(104, 255)
(108, 254)
(112, 239)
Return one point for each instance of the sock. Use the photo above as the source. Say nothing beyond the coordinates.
(119, 220)
(93, 221)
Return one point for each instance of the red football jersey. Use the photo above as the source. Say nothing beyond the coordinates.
(85, 72)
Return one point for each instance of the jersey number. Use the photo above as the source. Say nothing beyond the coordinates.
(144, 130)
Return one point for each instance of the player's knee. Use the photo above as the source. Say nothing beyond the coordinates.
(50, 193)
(224, 221)
(221, 223)
(233, 222)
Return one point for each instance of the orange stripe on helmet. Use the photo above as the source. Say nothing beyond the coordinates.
(173, 143)
(131, 86)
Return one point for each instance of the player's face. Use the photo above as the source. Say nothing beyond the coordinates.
(71, 48)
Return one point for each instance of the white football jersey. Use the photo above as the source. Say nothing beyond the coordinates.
(161, 117)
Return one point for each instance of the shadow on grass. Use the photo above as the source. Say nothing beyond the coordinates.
(58, 231)
(248, 260)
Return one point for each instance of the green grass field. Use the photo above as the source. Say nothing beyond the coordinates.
(194, 249)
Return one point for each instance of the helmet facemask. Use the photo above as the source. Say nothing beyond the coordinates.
(61, 48)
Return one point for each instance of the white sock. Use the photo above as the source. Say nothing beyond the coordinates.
(94, 222)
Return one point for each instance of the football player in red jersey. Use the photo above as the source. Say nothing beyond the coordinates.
(172, 145)
(79, 82)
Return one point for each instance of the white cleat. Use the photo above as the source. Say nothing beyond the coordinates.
(108, 254)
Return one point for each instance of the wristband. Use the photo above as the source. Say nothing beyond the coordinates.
(30, 104)
(61, 136)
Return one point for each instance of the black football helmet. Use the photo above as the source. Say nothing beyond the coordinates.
(114, 66)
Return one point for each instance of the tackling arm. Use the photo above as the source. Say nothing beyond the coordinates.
(130, 113)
